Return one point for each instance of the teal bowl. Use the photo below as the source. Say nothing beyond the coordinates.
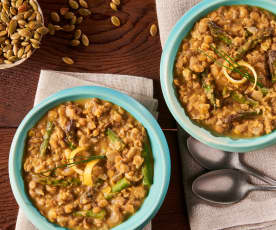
(162, 164)
(181, 30)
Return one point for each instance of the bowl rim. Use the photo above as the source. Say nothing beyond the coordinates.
(142, 216)
(179, 31)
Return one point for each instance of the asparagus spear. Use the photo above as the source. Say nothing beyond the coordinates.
(120, 185)
(238, 97)
(209, 88)
(272, 64)
(60, 182)
(90, 213)
(46, 138)
(70, 132)
(243, 115)
(253, 41)
(147, 169)
(115, 139)
(219, 33)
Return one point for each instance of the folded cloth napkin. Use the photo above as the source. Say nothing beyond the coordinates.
(51, 81)
(258, 210)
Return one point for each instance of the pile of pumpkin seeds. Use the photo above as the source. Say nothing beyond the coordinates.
(21, 29)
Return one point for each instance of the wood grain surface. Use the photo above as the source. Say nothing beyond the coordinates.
(128, 49)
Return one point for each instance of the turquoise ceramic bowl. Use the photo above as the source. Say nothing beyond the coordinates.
(181, 30)
(162, 164)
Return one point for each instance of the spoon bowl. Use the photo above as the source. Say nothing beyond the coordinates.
(226, 186)
(213, 159)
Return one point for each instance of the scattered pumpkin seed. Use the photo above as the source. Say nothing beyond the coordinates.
(73, 20)
(51, 29)
(12, 27)
(32, 17)
(84, 12)
(84, 40)
(115, 21)
(18, 3)
(7, 62)
(57, 27)
(74, 42)
(27, 48)
(42, 30)
(68, 60)
(69, 15)
(73, 4)
(21, 22)
(63, 11)
(36, 35)
(35, 43)
(34, 5)
(13, 11)
(153, 30)
(29, 54)
(3, 33)
(25, 32)
(116, 2)
(83, 3)
(69, 28)
(20, 52)
(15, 36)
(113, 6)
(55, 17)
(23, 7)
(77, 34)
(79, 20)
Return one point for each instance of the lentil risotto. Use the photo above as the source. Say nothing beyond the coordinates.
(225, 72)
(88, 165)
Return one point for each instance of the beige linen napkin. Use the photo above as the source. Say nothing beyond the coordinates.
(51, 81)
(258, 210)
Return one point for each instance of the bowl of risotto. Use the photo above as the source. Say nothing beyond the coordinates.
(218, 73)
(89, 158)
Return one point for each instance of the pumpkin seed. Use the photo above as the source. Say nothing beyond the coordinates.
(12, 27)
(116, 2)
(153, 30)
(27, 48)
(69, 15)
(83, 3)
(25, 32)
(113, 6)
(32, 17)
(73, 20)
(21, 22)
(34, 5)
(23, 7)
(38, 17)
(15, 50)
(57, 27)
(13, 11)
(68, 28)
(68, 60)
(51, 29)
(15, 41)
(12, 58)
(15, 36)
(36, 35)
(25, 43)
(63, 11)
(77, 34)
(29, 54)
(74, 42)
(79, 20)
(55, 17)
(9, 53)
(73, 4)
(4, 17)
(3, 33)
(7, 62)
(20, 52)
(84, 40)
(35, 43)
(42, 30)
(115, 21)
(18, 3)
(27, 14)
(24, 56)
(84, 12)
(32, 25)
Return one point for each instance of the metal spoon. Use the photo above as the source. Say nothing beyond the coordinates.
(225, 186)
(213, 159)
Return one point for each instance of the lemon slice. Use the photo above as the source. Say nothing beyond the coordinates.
(87, 175)
(243, 63)
(71, 159)
(232, 80)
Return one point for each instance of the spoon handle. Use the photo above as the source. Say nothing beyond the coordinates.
(264, 188)
(257, 174)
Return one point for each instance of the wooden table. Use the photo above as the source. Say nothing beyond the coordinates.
(128, 49)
